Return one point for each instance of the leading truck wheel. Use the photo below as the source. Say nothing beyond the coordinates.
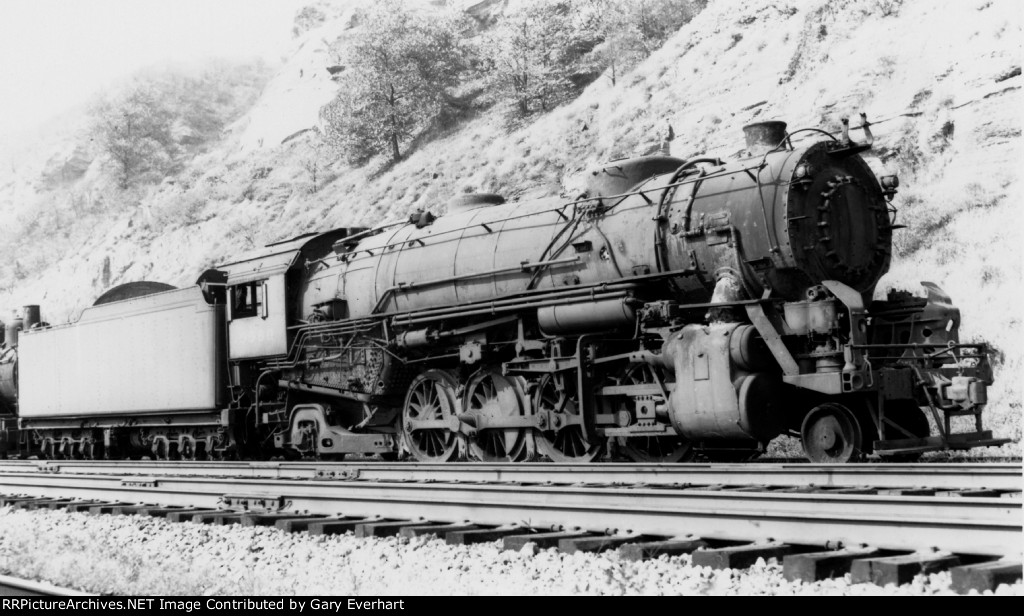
(428, 413)
(831, 434)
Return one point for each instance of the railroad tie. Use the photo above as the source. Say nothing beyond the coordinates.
(338, 526)
(483, 535)
(128, 509)
(102, 508)
(161, 512)
(74, 505)
(901, 569)
(34, 503)
(600, 543)
(185, 515)
(385, 528)
(12, 501)
(653, 549)
(267, 519)
(985, 576)
(814, 566)
(739, 556)
(298, 525)
(218, 518)
(54, 504)
(542, 540)
(439, 530)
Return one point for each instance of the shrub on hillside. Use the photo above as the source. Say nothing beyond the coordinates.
(631, 30)
(402, 67)
(544, 53)
(532, 55)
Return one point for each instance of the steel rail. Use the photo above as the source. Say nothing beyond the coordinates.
(940, 476)
(966, 525)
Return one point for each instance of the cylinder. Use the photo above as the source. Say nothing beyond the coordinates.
(764, 136)
(31, 316)
(604, 315)
(713, 399)
(748, 350)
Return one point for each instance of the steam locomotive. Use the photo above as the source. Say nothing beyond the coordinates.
(674, 309)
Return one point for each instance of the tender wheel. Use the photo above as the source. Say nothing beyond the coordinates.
(490, 395)
(556, 394)
(428, 415)
(650, 449)
(831, 434)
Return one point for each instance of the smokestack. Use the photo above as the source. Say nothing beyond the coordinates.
(763, 136)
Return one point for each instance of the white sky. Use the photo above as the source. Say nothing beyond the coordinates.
(55, 54)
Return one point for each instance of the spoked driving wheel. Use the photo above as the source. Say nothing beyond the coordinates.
(649, 449)
(831, 434)
(492, 396)
(562, 440)
(428, 417)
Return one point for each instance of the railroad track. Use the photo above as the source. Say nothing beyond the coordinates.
(824, 521)
(1000, 477)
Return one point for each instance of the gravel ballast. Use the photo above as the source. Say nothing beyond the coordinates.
(136, 555)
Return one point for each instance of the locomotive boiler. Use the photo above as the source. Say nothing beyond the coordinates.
(675, 308)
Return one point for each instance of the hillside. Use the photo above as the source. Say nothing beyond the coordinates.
(940, 81)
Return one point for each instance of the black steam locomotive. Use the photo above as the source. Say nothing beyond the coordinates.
(677, 308)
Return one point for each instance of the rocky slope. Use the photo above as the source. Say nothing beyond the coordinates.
(940, 80)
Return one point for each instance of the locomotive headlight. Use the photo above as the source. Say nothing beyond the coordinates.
(890, 182)
(801, 171)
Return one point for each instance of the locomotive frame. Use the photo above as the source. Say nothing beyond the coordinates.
(676, 308)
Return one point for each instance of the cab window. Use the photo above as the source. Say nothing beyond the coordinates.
(247, 300)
